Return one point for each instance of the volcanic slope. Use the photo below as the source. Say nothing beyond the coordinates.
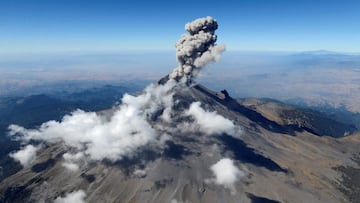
(312, 121)
(273, 162)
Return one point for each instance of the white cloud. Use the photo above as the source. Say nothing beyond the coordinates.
(210, 122)
(73, 197)
(100, 138)
(26, 155)
(70, 166)
(95, 137)
(226, 173)
(70, 161)
(140, 173)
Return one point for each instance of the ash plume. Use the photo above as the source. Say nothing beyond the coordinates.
(196, 49)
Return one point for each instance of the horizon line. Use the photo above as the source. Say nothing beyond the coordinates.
(149, 51)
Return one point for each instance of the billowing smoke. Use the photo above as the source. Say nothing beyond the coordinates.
(196, 49)
(92, 136)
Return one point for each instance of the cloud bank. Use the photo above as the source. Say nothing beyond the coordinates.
(97, 137)
(73, 197)
(94, 137)
(226, 173)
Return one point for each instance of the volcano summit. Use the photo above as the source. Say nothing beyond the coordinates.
(178, 141)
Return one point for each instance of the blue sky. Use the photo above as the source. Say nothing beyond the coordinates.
(32, 26)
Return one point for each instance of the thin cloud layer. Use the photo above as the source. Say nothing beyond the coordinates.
(226, 173)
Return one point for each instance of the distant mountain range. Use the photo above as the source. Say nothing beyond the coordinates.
(320, 52)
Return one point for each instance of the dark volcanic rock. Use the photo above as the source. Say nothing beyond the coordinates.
(246, 154)
(350, 180)
(37, 168)
(256, 199)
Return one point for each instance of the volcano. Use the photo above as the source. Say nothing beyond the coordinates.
(179, 141)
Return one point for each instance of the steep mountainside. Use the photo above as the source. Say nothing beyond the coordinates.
(279, 157)
(310, 120)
